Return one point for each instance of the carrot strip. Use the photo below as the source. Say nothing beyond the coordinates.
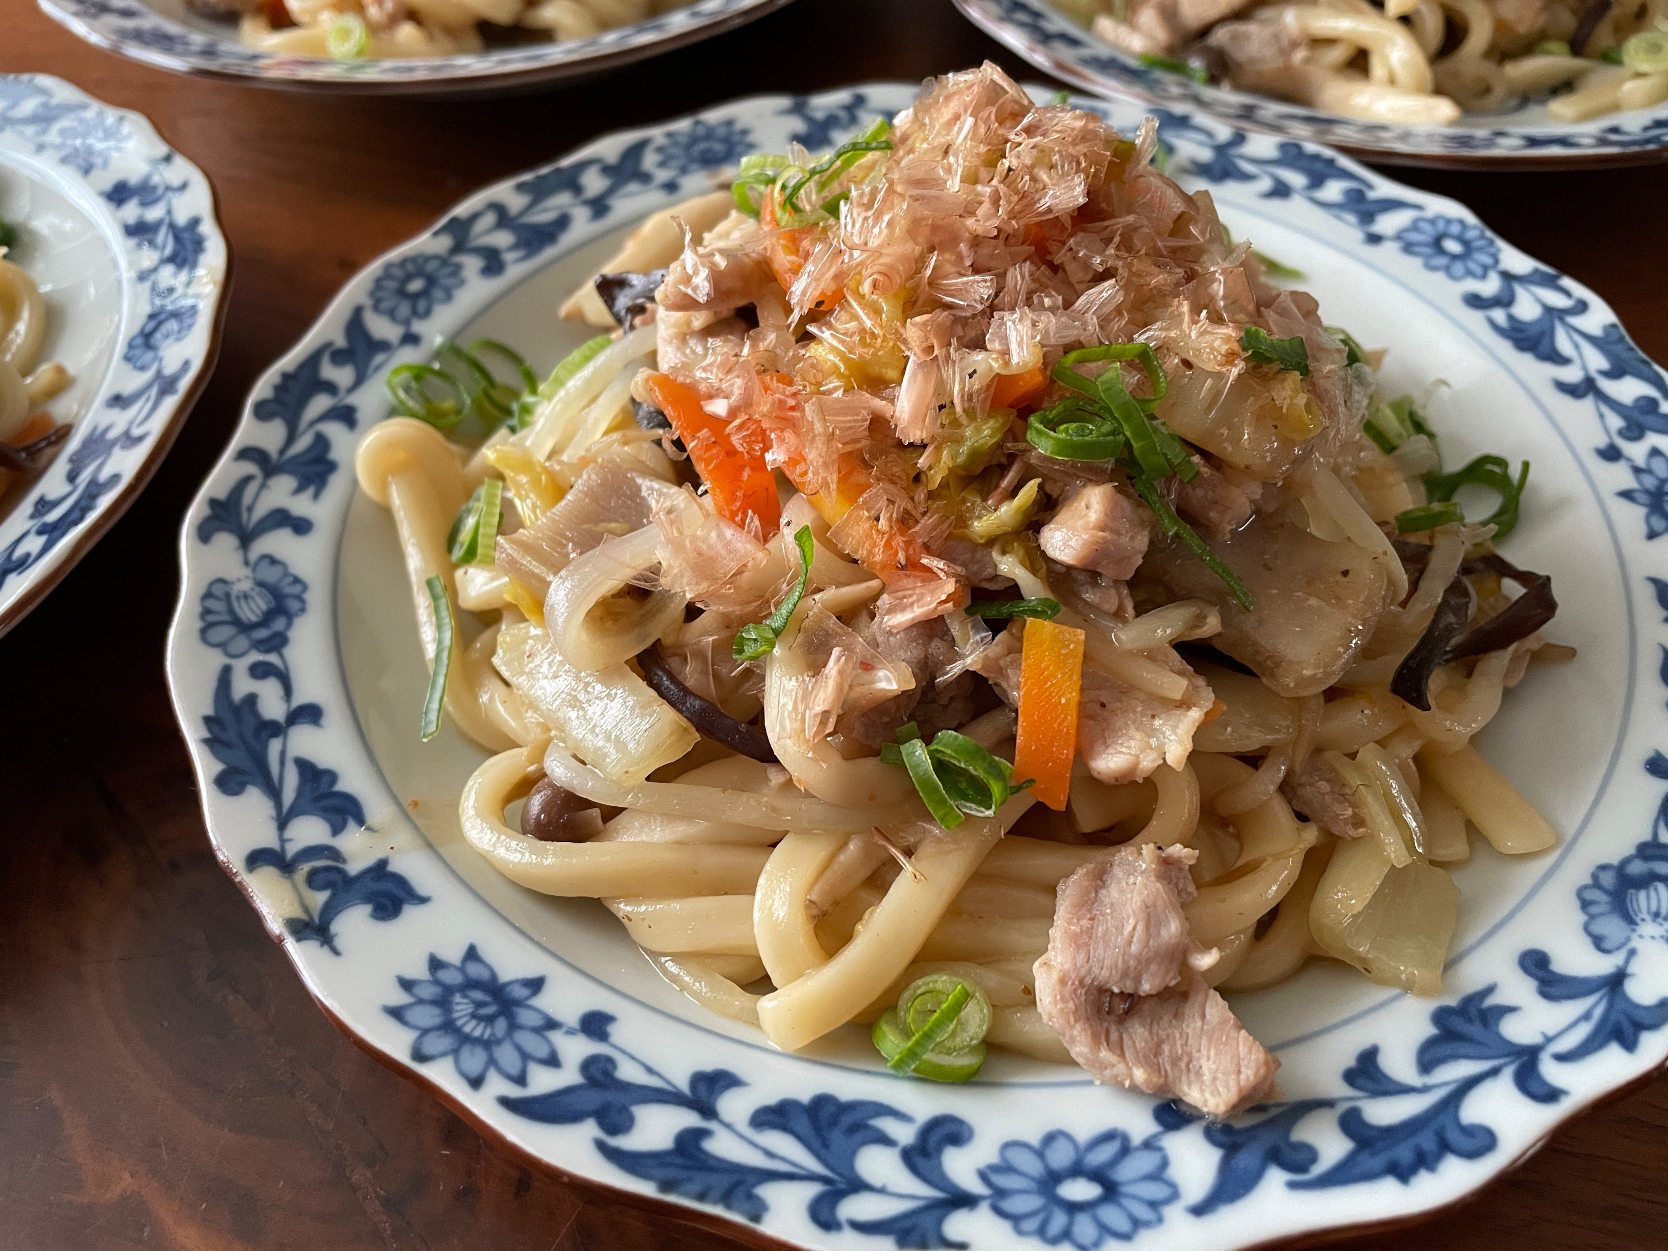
(1014, 390)
(786, 252)
(1050, 685)
(740, 485)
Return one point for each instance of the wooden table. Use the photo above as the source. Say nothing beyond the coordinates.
(166, 1082)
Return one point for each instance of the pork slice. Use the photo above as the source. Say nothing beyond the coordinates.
(1163, 26)
(1124, 734)
(1107, 595)
(1184, 1043)
(1319, 793)
(1115, 987)
(928, 649)
(717, 279)
(1098, 528)
(1215, 506)
(1118, 923)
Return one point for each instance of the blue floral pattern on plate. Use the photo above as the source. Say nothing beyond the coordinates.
(817, 1153)
(1055, 43)
(134, 29)
(172, 269)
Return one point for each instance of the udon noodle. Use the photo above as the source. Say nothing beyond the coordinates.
(1412, 62)
(27, 433)
(716, 591)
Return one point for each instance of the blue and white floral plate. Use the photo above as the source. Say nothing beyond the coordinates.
(168, 35)
(1526, 138)
(298, 677)
(119, 232)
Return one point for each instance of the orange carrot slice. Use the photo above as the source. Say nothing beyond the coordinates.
(1014, 390)
(1050, 686)
(740, 485)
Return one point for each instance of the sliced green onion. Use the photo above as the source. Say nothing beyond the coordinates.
(1291, 354)
(1046, 609)
(1428, 517)
(1276, 269)
(1646, 52)
(441, 661)
(954, 774)
(761, 169)
(1389, 425)
(474, 531)
(1161, 156)
(1611, 56)
(1171, 524)
(1170, 65)
(1129, 412)
(977, 782)
(889, 1040)
(1140, 353)
(8, 234)
(923, 999)
(759, 639)
(1174, 451)
(1059, 98)
(409, 387)
(914, 756)
(1552, 47)
(838, 161)
(1062, 433)
(1355, 354)
(571, 364)
(937, 1029)
(1492, 473)
(347, 38)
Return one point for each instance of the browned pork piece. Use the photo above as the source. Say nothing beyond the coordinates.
(1316, 602)
(1160, 27)
(927, 648)
(1319, 793)
(1116, 986)
(1098, 528)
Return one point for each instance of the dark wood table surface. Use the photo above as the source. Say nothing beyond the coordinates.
(165, 1081)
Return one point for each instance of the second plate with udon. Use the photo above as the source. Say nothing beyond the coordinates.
(297, 668)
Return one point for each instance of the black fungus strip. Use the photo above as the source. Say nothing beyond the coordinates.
(22, 459)
(704, 715)
(1517, 621)
(628, 295)
(1591, 16)
(1453, 612)
(1444, 640)
(648, 417)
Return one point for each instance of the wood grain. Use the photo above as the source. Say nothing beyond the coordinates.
(165, 1082)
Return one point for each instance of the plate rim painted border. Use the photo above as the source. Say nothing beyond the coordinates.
(184, 649)
(91, 530)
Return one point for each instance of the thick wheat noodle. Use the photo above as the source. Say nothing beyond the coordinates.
(716, 803)
(1022, 1030)
(702, 978)
(596, 870)
(409, 468)
(827, 997)
(782, 918)
(978, 939)
(1491, 803)
(698, 924)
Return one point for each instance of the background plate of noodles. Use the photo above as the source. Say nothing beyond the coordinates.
(1512, 118)
(436, 49)
(298, 672)
(114, 241)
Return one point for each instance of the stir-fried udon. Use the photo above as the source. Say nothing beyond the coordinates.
(1414, 62)
(959, 594)
(353, 30)
(28, 434)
